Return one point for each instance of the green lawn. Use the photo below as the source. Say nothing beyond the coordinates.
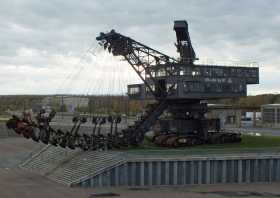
(4, 119)
(248, 144)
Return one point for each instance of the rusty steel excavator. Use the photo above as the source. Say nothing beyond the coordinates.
(178, 89)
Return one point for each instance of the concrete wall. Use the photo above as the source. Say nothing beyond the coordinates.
(183, 172)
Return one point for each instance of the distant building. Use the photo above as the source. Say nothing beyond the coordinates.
(225, 113)
(71, 102)
(231, 116)
(46, 101)
(271, 115)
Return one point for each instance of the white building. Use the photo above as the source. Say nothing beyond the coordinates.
(271, 115)
(71, 102)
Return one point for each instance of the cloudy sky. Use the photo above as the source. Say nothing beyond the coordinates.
(44, 46)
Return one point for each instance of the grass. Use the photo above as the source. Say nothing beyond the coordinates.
(3, 119)
(248, 144)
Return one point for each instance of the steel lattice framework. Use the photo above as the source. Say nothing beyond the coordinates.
(138, 55)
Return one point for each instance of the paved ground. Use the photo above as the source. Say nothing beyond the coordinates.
(257, 130)
(15, 149)
(17, 183)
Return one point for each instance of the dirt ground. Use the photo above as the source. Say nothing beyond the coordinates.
(17, 183)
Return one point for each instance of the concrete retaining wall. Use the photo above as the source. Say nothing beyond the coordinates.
(148, 172)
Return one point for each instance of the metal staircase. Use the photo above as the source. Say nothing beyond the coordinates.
(71, 166)
(86, 165)
(47, 159)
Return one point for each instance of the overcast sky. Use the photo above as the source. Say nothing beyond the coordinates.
(43, 48)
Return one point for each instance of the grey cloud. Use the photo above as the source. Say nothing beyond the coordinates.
(242, 28)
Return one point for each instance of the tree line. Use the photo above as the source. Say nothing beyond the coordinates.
(116, 104)
(96, 104)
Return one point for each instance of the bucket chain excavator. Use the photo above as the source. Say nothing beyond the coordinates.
(178, 89)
